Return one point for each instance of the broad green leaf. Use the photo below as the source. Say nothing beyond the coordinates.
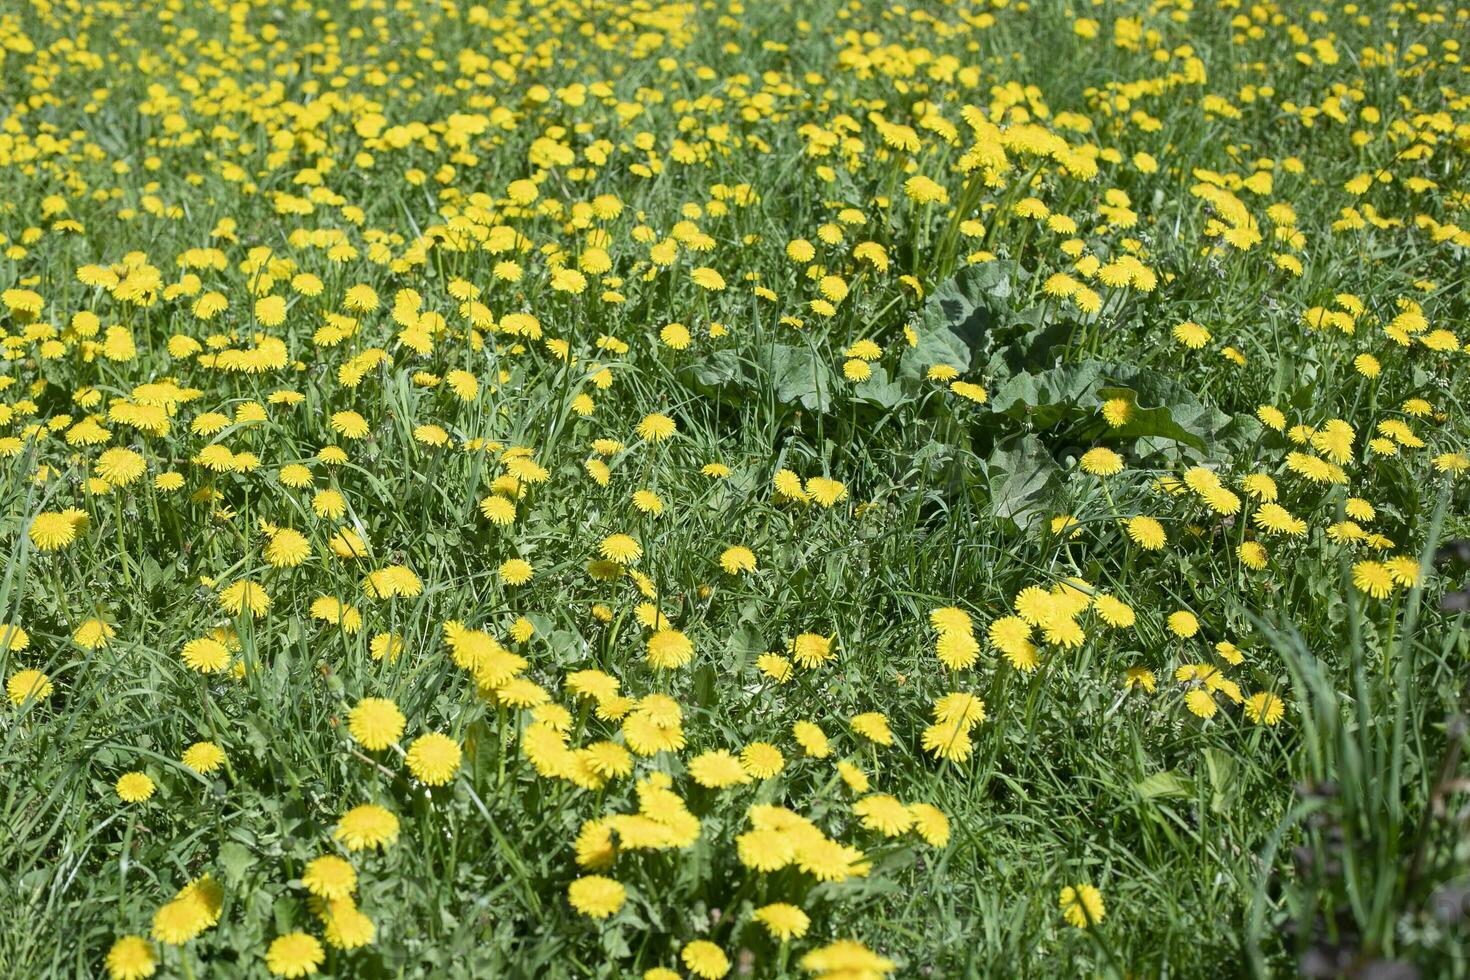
(1022, 476)
(719, 368)
(799, 376)
(744, 646)
(1224, 784)
(958, 317)
(879, 390)
(1163, 785)
(1048, 397)
(235, 859)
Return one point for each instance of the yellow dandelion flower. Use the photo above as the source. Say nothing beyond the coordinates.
(433, 759)
(375, 723)
(1082, 905)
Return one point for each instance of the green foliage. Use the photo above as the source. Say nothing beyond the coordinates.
(895, 421)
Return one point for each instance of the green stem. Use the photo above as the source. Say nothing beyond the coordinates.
(122, 550)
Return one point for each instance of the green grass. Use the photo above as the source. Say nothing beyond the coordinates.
(1327, 843)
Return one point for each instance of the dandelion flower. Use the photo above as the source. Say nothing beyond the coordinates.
(1264, 708)
(1274, 518)
(13, 638)
(52, 532)
(1117, 411)
(28, 685)
(206, 655)
(855, 778)
(344, 926)
(717, 769)
(704, 959)
(296, 954)
(707, 278)
(960, 708)
(349, 425)
(329, 876)
(1183, 624)
(120, 466)
(1114, 611)
(970, 391)
(957, 650)
(179, 921)
(812, 739)
(366, 826)
(329, 504)
(949, 741)
(621, 548)
(433, 759)
(1191, 335)
(94, 634)
(1146, 532)
(873, 726)
(1101, 461)
(596, 896)
(375, 723)
(1141, 678)
(783, 921)
(287, 549)
(1452, 463)
(950, 619)
(884, 814)
(134, 787)
(1063, 631)
(811, 650)
(669, 648)
(737, 560)
(388, 645)
(498, 510)
(1404, 569)
(923, 190)
(788, 486)
(1200, 703)
(203, 757)
(1011, 635)
(774, 666)
(824, 491)
(516, 571)
(846, 958)
(656, 428)
(930, 824)
(761, 760)
(1082, 905)
(131, 958)
(243, 595)
(1373, 579)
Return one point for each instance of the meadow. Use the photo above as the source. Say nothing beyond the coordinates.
(812, 489)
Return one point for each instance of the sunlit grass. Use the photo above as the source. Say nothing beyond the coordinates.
(628, 489)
